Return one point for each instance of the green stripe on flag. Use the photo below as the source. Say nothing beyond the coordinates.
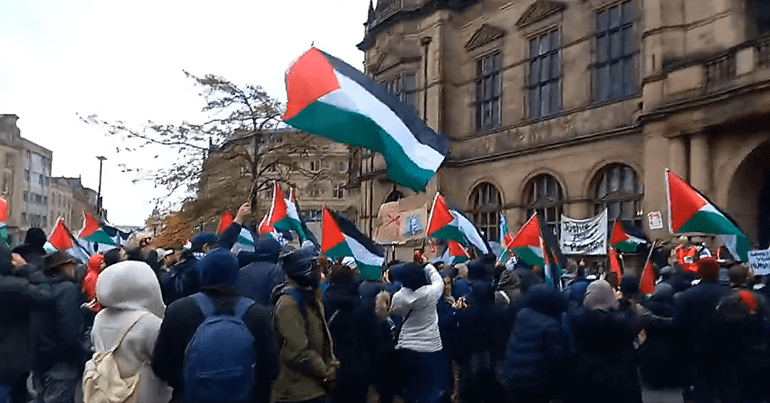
(99, 236)
(529, 256)
(449, 232)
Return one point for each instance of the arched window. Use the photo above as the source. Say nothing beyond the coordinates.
(543, 194)
(486, 206)
(394, 195)
(620, 190)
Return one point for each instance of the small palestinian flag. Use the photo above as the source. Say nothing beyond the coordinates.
(282, 215)
(615, 263)
(451, 225)
(457, 251)
(527, 244)
(505, 239)
(341, 238)
(329, 98)
(92, 231)
(225, 221)
(61, 237)
(622, 238)
(647, 282)
(245, 237)
(3, 220)
(690, 211)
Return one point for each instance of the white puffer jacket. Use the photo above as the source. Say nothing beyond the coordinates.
(420, 332)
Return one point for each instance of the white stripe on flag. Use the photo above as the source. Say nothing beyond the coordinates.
(470, 232)
(362, 254)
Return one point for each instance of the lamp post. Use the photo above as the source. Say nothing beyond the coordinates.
(99, 191)
(425, 42)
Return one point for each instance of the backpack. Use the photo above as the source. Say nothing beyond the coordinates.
(220, 360)
(102, 382)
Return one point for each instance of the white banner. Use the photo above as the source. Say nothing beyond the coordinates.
(584, 237)
(759, 261)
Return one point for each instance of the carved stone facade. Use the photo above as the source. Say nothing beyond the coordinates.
(570, 106)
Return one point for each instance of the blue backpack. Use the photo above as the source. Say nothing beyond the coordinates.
(220, 360)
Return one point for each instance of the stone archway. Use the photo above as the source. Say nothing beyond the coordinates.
(749, 195)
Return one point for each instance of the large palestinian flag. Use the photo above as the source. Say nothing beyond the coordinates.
(690, 211)
(92, 231)
(341, 238)
(452, 225)
(3, 220)
(527, 244)
(329, 98)
(282, 216)
(625, 237)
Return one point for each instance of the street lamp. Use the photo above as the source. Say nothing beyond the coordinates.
(99, 191)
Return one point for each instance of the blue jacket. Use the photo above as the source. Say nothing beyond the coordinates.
(538, 349)
(258, 279)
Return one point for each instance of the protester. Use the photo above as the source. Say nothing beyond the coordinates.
(351, 329)
(129, 323)
(32, 250)
(258, 279)
(660, 357)
(605, 362)
(113, 256)
(190, 316)
(95, 266)
(423, 364)
(58, 334)
(140, 248)
(461, 284)
(182, 280)
(538, 349)
(17, 299)
(694, 320)
(308, 365)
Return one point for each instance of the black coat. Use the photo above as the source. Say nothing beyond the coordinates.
(660, 358)
(606, 361)
(695, 324)
(182, 279)
(258, 280)
(57, 331)
(538, 350)
(182, 319)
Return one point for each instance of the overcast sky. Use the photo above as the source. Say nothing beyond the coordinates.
(124, 60)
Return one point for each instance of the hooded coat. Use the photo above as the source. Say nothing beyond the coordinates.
(218, 278)
(660, 358)
(32, 249)
(259, 278)
(538, 348)
(17, 299)
(127, 291)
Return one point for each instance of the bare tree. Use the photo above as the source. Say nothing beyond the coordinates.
(239, 130)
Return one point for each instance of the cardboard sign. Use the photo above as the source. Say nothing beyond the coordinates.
(759, 261)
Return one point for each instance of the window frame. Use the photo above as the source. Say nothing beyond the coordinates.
(620, 196)
(493, 100)
(547, 206)
(554, 79)
(628, 60)
(485, 211)
(397, 86)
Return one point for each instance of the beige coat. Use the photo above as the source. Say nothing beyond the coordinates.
(129, 290)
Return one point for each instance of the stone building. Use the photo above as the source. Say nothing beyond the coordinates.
(568, 107)
(26, 171)
(316, 168)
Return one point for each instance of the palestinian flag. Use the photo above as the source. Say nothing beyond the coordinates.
(647, 282)
(457, 251)
(626, 237)
(341, 238)
(690, 211)
(329, 98)
(3, 220)
(292, 203)
(615, 263)
(245, 237)
(527, 244)
(92, 231)
(282, 215)
(505, 239)
(452, 225)
(61, 237)
(225, 221)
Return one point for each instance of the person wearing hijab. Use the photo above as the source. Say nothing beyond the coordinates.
(130, 295)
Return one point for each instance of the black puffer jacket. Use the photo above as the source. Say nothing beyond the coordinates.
(605, 365)
(538, 349)
(258, 279)
(660, 358)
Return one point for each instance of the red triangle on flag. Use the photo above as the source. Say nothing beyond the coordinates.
(225, 221)
(331, 234)
(3, 210)
(440, 216)
(90, 225)
(615, 264)
(618, 234)
(61, 237)
(455, 249)
(528, 235)
(647, 282)
(683, 201)
(309, 78)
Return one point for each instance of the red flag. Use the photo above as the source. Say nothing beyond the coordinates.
(61, 237)
(225, 221)
(3, 210)
(647, 282)
(615, 264)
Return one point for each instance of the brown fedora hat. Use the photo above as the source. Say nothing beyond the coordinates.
(56, 259)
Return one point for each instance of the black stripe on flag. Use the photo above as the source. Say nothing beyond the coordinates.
(350, 229)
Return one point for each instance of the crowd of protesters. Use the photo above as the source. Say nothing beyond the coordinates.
(285, 324)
